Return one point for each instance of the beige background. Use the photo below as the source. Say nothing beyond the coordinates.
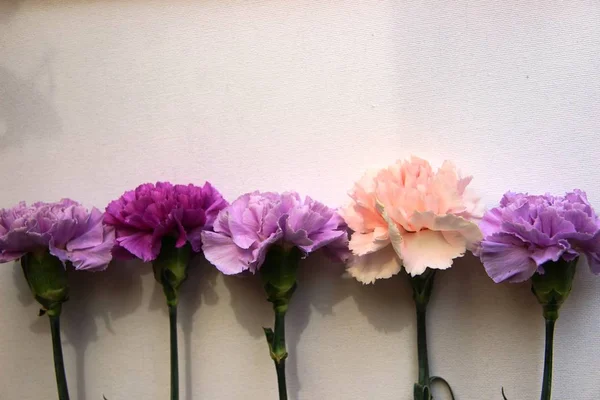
(99, 96)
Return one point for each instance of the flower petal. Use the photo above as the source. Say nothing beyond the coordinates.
(365, 243)
(224, 254)
(94, 258)
(381, 264)
(140, 244)
(506, 258)
(428, 249)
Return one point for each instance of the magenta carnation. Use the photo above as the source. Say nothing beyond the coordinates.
(144, 216)
(244, 231)
(66, 229)
(525, 232)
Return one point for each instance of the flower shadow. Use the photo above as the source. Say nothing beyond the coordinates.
(105, 296)
(383, 298)
(479, 318)
(8, 8)
(198, 289)
(318, 289)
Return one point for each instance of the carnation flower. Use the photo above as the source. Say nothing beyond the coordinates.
(270, 233)
(46, 237)
(525, 232)
(144, 216)
(410, 215)
(163, 223)
(244, 232)
(66, 229)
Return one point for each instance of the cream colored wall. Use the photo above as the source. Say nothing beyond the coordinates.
(99, 96)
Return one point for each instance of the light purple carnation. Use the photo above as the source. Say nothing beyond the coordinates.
(526, 231)
(65, 228)
(144, 216)
(244, 231)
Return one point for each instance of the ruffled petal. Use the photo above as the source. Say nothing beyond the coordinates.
(381, 264)
(223, 253)
(322, 239)
(365, 243)
(92, 233)
(506, 258)
(428, 249)
(10, 256)
(94, 258)
(140, 244)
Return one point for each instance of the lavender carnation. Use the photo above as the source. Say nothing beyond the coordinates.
(66, 229)
(244, 231)
(144, 216)
(525, 232)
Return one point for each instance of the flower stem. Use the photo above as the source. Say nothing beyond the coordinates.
(422, 346)
(422, 286)
(174, 358)
(547, 382)
(59, 366)
(279, 344)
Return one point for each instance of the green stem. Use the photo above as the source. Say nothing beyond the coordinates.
(422, 346)
(422, 286)
(59, 366)
(279, 348)
(547, 382)
(280, 368)
(174, 358)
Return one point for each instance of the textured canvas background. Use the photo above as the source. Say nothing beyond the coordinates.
(99, 96)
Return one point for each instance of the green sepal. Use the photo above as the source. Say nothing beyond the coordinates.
(170, 268)
(270, 335)
(422, 286)
(47, 278)
(279, 275)
(553, 287)
(276, 350)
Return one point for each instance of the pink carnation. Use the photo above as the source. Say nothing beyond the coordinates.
(409, 215)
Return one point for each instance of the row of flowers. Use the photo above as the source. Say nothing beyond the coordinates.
(407, 215)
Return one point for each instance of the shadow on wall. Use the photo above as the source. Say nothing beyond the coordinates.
(320, 288)
(104, 296)
(8, 8)
(198, 289)
(25, 111)
(478, 309)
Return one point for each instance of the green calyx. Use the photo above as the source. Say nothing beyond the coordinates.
(170, 268)
(422, 286)
(279, 274)
(553, 287)
(47, 278)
